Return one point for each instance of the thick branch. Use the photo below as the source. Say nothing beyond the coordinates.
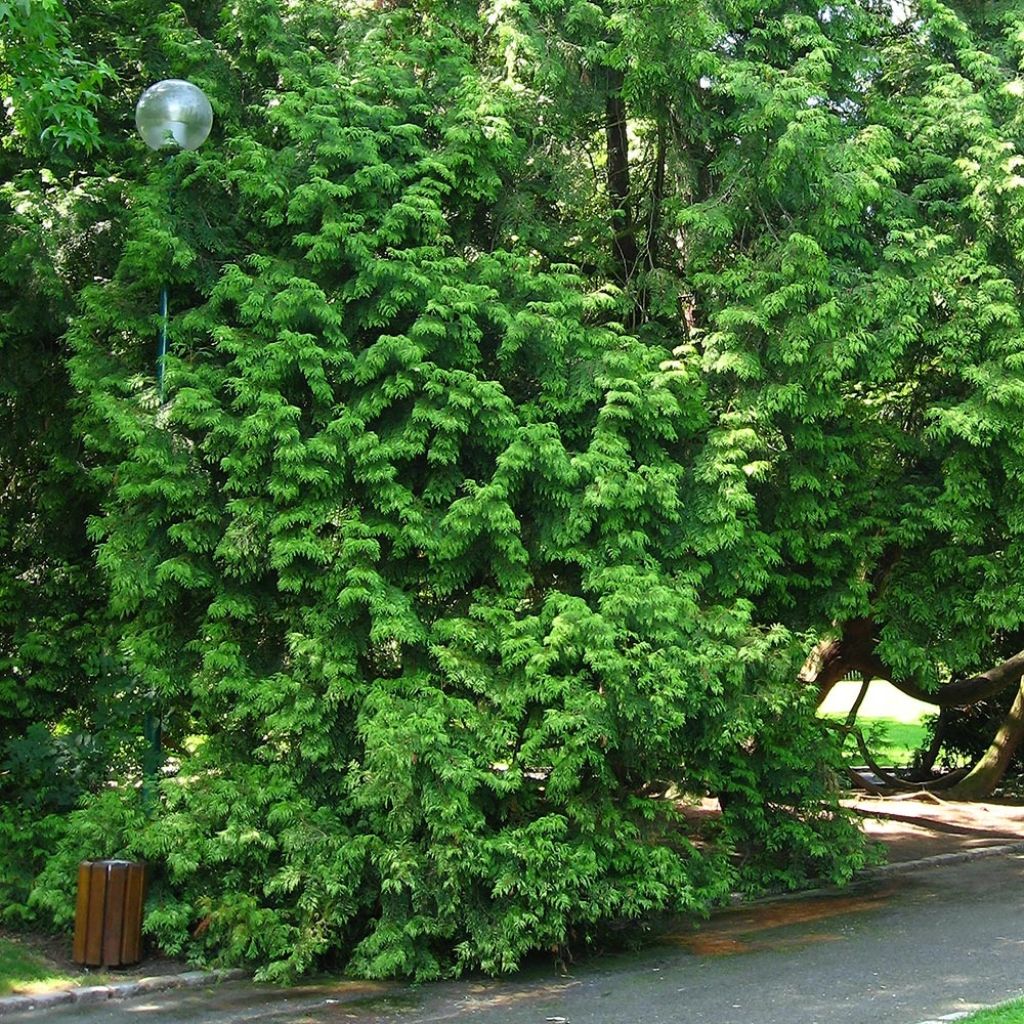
(864, 783)
(834, 659)
(968, 691)
(989, 771)
(856, 651)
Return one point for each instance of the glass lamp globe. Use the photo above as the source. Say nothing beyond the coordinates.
(174, 113)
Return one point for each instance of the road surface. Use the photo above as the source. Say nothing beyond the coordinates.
(895, 951)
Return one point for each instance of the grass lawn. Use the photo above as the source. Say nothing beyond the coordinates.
(1011, 1013)
(890, 741)
(22, 970)
(31, 963)
(892, 723)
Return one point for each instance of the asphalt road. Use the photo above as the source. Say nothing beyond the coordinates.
(896, 951)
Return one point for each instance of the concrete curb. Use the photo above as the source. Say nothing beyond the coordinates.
(905, 867)
(941, 860)
(84, 995)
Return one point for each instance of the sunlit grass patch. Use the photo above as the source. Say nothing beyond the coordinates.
(891, 741)
(1009, 1013)
(24, 971)
(892, 723)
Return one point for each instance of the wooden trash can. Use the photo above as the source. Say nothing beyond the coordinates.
(108, 915)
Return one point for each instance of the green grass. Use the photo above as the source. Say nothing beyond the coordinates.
(1009, 1013)
(896, 742)
(22, 970)
(892, 723)
(891, 741)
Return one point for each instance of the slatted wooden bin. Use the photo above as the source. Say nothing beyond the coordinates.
(108, 915)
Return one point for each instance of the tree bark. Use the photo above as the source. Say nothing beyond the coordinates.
(855, 650)
(988, 772)
(968, 691)
(617, 143)
(852, 651)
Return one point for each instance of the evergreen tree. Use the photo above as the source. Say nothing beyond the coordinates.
(546, 380)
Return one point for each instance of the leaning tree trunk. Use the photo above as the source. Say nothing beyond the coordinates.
(989, 771)
(855, 650)
(852, 651)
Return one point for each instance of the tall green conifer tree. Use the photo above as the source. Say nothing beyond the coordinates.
(409, 546)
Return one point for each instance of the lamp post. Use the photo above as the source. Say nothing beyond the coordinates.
(171, 115)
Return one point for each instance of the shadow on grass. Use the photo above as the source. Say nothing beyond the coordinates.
(24, 971)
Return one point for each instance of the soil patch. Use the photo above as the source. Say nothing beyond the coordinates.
(914, 826)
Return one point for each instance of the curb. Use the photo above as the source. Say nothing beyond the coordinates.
(85, 995)
(866, 875)
(941, 860)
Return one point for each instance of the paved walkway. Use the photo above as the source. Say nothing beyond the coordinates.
(897, 950)
(913, 827)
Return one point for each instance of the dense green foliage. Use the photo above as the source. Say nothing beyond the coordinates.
(546, 378)
(64, 721)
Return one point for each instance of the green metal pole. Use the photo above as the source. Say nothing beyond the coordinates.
(161, 351)
(151, 720)
(152, 724)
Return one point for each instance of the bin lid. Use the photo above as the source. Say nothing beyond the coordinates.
(114, 862)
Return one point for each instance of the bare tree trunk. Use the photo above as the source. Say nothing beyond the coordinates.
(617, 147)
(852, 651)
(988, 772)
